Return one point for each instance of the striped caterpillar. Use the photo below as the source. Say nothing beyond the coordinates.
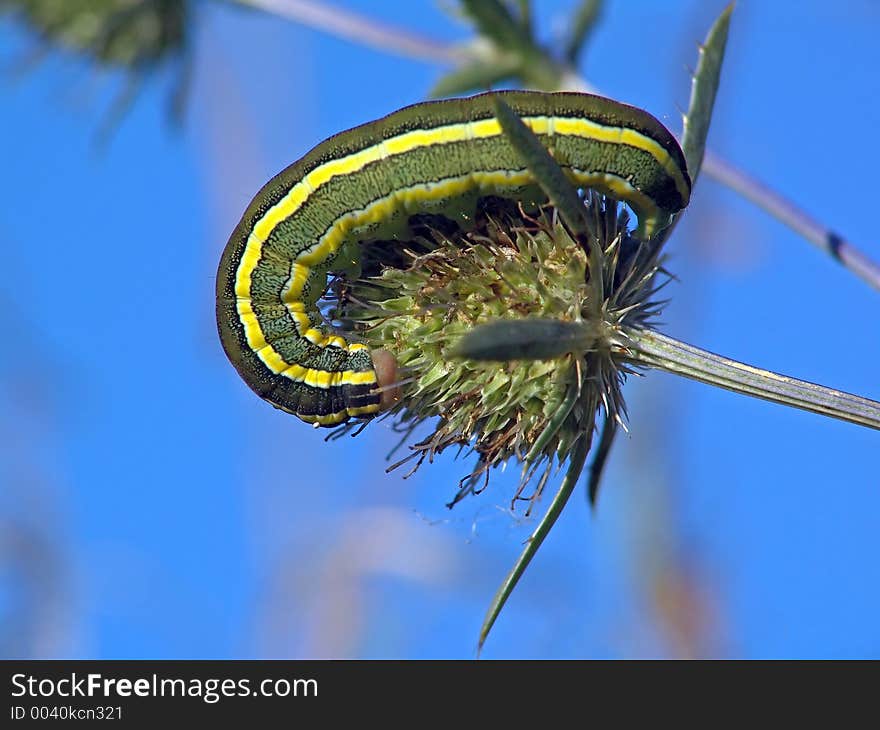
(365, 183)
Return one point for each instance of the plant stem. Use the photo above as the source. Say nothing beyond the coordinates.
(572, 474)
(665, 353)
(794, 217)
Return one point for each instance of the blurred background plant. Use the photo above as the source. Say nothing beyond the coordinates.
(131, 34)
(648, 554)
(139, 37)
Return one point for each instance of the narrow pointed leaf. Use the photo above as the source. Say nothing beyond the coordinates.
(549, 175)
(585, 17)
(525, 16)
(552, 428)
(703, 90)
(532, 338)
(575, 466)
(494, 20)
(476, 75)
(603, 450)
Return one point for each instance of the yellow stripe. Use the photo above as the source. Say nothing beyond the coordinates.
(363, 410)
(354, 377)
(382, 208)
(326, 379)
(621, 189)
(568, 126)
(299, 274)
(331, 419)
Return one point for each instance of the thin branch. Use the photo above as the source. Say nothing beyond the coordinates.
(794, 217)
(361, 29)
(665, 353)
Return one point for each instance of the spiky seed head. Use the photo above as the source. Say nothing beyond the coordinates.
(542, 311)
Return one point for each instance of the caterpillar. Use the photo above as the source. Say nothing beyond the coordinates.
(365, 183)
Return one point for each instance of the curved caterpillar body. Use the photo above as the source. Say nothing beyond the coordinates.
(363, 184)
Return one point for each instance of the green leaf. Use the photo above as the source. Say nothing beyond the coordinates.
(525, 15)
(494, 20)
(575, 466)
(532, 338)
(584, 20)
(548, 174)
(477, 75)
(703, 91)
(603, 450)
(512, 36)
(552, 427)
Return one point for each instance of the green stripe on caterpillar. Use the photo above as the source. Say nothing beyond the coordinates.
(365, 183)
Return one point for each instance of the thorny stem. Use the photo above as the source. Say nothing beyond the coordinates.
(363, 30)
(665, 353)
(794, 217)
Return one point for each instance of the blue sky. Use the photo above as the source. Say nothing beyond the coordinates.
(152, 506)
